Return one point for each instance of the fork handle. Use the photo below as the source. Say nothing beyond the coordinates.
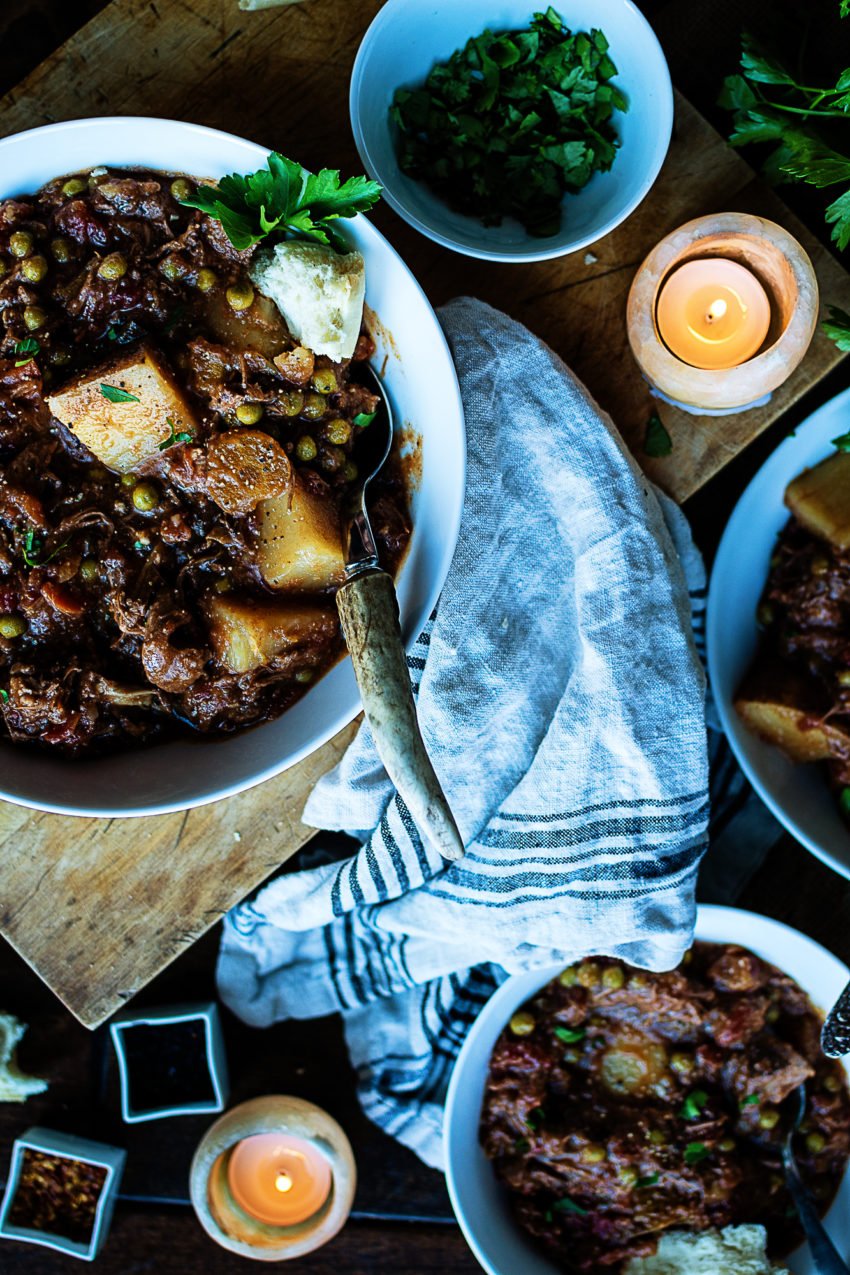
(369, 613)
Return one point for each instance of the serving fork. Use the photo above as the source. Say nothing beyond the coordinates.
(368, 610)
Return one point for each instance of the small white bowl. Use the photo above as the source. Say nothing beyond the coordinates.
(408, 37)
(50, 1142)
(421, 383)
(215, 1058)
(798, 795)
(480, 1204)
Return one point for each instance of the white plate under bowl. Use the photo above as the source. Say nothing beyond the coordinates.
(422, 385)
(480, 1203)
(798, 795)
(408, 37)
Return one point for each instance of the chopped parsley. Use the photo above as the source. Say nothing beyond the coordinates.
(26, 350)
(174, 438)
(115, 395)
(693, 1105)
(844, 802)
(570, 1035)
(650, 1180)
(751, 1100)
(4, 695)
(566, 1205)
(513, 121)
(33, 545)
(842, 442)
(362, 419)
(535, 1118)
(521, 1146)
(696, 1151)
(657, 441)
(285, 198)
(112, 334)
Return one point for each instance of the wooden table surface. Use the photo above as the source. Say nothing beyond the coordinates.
(402, 1218)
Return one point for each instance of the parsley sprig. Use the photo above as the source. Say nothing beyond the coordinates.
(772, 107)
(512, 121)
(285, 199)
(174, 437)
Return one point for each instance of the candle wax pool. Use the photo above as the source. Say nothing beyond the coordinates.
(713, 313)
(278, 1178)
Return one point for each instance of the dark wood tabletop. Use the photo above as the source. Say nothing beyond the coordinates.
(402, 1219)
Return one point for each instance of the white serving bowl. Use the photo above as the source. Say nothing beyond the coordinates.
(480, 1203)
(798, 795)
(422, 386)
(408, 37)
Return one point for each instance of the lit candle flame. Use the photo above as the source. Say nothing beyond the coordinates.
(283, 1182)
(716, 310)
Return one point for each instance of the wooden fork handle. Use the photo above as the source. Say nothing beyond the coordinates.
(369, 613)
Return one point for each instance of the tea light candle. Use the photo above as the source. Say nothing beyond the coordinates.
(273, 1179)
(279, 1178)
(713, 313)
(721, 312)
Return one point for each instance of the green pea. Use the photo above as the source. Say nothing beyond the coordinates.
(324, 381)
(338, 431)
(206, 280)
(12, 626)
(34, 269)
(21, 243)
(172, 269)
(61, 250)
(128, 480)
(113, 267)
(240, 296)
(304, 675)
(34, 317)
(290, 402)
(305, 448)
(74, 186)
(180, 188)
(145, 496)
(314, 407)
(349, 471)
(522, 1023)
(249, 413)
(88, 570)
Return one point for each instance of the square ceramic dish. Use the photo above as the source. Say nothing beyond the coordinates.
(50, 1142)
(214, 1073)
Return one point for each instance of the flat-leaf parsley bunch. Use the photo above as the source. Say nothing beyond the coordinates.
(799, 122)
(284, 199)
(512, 121)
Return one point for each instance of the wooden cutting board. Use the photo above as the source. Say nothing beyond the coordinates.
(99, 907)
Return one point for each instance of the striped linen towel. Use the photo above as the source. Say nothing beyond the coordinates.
(563, 702)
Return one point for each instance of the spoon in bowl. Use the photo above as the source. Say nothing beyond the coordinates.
(826, 1258)
(368, 610)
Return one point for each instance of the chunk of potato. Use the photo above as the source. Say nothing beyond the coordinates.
(245, 466)
(124, 435)
(300, 541)
(246, 634)
(259, 328)
(819, 498)
(799, 734)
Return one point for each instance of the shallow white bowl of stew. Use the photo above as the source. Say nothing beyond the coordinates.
(482, 1206)
(419, 377)
(798, 795)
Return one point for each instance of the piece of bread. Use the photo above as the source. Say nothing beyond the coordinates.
(318, 291)
(14, 1085)
(736, 1250)
(124, 435)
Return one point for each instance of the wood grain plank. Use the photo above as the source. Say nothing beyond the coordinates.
(99, 908)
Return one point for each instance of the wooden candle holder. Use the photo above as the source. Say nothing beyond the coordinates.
(784, 270)
(233, 1228)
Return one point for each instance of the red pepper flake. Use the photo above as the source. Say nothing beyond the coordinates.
(57, 1194)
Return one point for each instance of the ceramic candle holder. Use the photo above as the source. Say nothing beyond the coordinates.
(78, 1232)
(171, 1061)
(233, 1228)
(781, 265)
